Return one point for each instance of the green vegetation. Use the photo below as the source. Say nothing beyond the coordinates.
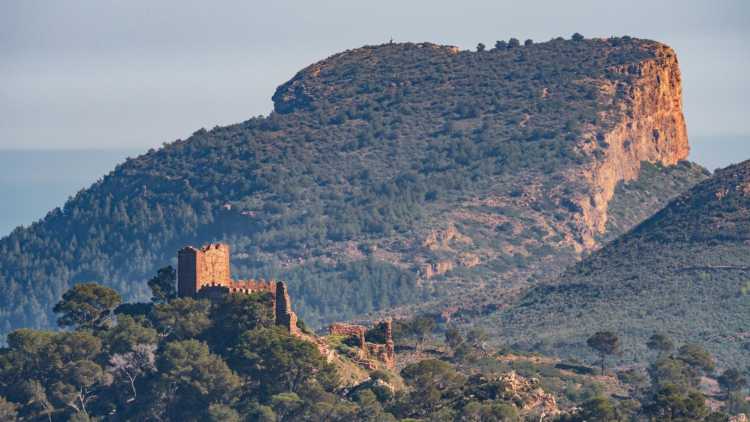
(365, 152)
(605, 343)
(668, 387)
(336, 192)
(178, 359)
(88, 306)
(680, 273)
(636, 200)
(223, 359)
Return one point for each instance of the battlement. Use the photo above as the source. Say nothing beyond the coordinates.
(207, 272)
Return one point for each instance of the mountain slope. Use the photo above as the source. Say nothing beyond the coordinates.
(386, 175)
(685, 272)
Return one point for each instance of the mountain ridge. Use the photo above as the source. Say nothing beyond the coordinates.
(501, 157)
(682, 272)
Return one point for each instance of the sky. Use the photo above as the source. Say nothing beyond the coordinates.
(133, 74)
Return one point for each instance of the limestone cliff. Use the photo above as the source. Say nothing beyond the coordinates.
(648, 126)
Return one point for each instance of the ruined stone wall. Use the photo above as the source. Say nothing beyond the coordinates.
(206, 273)
(369, 353)
(343, 329)
(385, 353)
(390, 351)
(350, 330)
(284, 315)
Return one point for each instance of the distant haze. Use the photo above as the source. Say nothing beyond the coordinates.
(132, 75)
(34, 182)
(139, 73)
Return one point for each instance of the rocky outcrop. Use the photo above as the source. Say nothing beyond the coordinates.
(468, 260)
(525, 393)
(528, 393)
(441, 238)
(649, 126)
(434, 269)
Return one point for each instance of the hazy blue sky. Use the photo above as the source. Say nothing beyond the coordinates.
(134, 74)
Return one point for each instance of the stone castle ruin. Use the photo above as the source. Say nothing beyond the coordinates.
(368, 354)
(206, 272)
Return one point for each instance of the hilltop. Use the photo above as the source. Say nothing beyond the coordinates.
(387, 175)
(685, 272)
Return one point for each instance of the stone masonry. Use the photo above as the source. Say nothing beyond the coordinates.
(284, 314)
(368, 353)
(207, 272)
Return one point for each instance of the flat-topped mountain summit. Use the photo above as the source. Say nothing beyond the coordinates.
(387, 175)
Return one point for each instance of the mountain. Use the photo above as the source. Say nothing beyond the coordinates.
(684, 272)
(34, 181)
(387, 175)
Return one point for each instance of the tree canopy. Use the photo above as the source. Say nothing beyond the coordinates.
(87, 305)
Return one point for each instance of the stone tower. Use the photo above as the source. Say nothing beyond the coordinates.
(208, 266)
(189, 261)
(206, 271)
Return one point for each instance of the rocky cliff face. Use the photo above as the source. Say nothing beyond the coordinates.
(638, 119)
(648, 126)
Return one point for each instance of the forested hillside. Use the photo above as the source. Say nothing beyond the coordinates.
(382, 173)
(224, 359)
(685, 273)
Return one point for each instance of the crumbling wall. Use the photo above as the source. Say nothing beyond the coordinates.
(368, 352)
(385, 352)
(284, 315)
(350, 330)
(390, 351)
